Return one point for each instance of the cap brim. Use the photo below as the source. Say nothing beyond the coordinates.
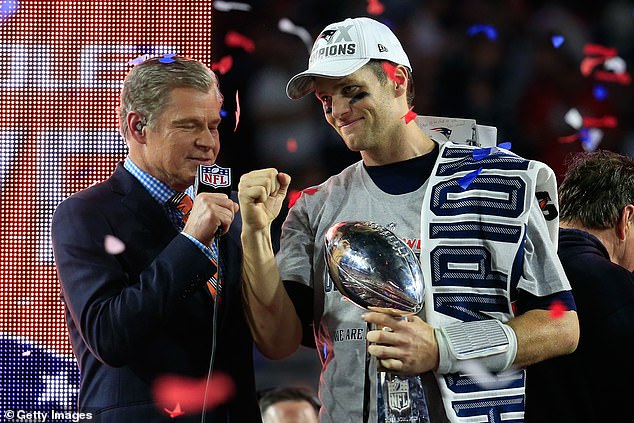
(303, 83)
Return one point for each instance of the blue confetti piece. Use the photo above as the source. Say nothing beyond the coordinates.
(481, 153)
(600, 92)
(223, 113)
(557, 40)
(466, 180)
(505, 145)
(167, 58)
(488, 30)
(325, 351)
(8, 8)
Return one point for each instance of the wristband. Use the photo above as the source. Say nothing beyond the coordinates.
(492, 343)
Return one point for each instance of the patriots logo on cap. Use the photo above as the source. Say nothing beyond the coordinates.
(327, 34)
(442, 130)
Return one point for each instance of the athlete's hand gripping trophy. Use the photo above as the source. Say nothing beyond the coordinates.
(376, 270)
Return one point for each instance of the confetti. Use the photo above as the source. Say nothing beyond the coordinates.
(410, 115)
(466, 180)
(113, 245)
(599, 92)
(574, 118)
(488, 30)
(619, 78)
(390, 70)
(177, 411)
(557, 309)
(228, 6)
(237, 112)
(588, 64)
(291, 145)
(590, 138)
(557, 40)
(615, 64)
(602, 122)
(375, 7)
(505, 145)
(223, 66)
(189, 395)
(481, 153)
(287, 26)
(599, 50)
(237, 40)
(294, 195)
(167, 58)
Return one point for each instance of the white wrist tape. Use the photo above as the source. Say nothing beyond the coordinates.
(492, 343)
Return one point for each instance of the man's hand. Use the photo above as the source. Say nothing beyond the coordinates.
(210, 211)
(261, 194)
(405, 345)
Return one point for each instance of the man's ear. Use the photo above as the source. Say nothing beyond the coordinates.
(136, 126)
(399, 79)
(623, 225)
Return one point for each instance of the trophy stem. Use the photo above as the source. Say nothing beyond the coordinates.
(367, 383)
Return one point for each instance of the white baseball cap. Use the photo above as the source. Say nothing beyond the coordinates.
(344, 47)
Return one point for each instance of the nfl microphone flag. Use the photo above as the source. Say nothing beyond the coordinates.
(213, 178)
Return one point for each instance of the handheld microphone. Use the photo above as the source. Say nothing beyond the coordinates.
(214, 179)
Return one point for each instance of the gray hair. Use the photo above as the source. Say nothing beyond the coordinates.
(147, 86)
(596, 188)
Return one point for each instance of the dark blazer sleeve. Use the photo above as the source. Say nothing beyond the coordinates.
(119, 301)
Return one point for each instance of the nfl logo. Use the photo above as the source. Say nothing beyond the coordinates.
(398, 397)
(215, 176)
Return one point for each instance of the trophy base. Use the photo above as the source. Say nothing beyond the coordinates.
(401, 399)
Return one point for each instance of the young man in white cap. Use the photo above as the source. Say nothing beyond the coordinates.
(484, 222)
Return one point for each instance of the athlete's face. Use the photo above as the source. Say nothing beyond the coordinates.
(185, 135)
(363, 111)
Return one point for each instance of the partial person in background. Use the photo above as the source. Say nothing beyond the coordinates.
(487, 249)
(596, 248)
(289, 405)
(144, 308)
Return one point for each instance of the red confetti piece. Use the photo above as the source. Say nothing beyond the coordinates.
(557, 309)
(568, 138)
(375, 7)
(189, 394)
(619, 78)
(604, 122)
(588, 64)
(291, 145)
(390, 69)
(177, 411)
(223, 66)
(235, 39)
(237, 112)
(294, 195)
(591, 49)
(410, 115)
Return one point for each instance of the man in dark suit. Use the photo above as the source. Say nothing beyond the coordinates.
(144, 310)
(596, 247)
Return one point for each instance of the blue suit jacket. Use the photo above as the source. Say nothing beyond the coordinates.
(146, 312)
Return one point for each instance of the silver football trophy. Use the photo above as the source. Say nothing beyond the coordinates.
(371, 266)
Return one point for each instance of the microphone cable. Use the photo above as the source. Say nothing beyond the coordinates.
(214, 323)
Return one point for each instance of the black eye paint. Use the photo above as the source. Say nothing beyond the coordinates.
(358, 97)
